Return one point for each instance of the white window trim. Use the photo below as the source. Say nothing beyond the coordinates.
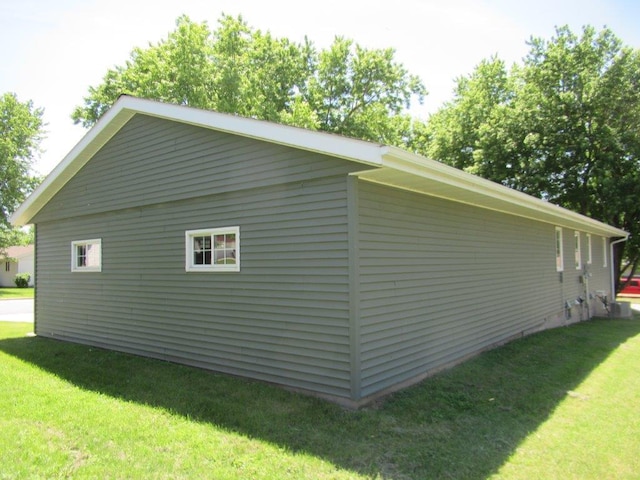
(604, 252)
(578, 250)
(589, 251)
(188, 240)
(559, 254)
(74, 255)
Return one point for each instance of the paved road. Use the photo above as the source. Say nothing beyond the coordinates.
(16, 310)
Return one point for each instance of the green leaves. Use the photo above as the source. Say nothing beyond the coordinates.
(470, 131)
(344, 89)
(564, 126)
(358, 92)
(20, 134)
(176, 70)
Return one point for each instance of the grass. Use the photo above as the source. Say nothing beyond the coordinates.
(559, 404)
(12, 293)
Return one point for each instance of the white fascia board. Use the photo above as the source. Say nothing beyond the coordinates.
(320, 142)
(126, 107)
(367, 153)
(396, 158)
(95, 138)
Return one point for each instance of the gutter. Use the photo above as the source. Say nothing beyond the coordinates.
(613, 280)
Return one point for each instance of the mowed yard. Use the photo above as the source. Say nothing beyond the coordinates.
(16, 293)
(558, 404)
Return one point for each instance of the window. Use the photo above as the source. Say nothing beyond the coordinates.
(86, 255)
(559, 253)
(604, 252)
(589, 257)
(7, 266)
(213, 250)
(578, 253)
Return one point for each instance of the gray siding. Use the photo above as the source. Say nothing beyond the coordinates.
(283, 318)
(346, 288)
(440, 281)
(575, 284)
(152, 161)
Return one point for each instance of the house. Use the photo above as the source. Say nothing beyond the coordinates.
(325, 264)
(17, 259)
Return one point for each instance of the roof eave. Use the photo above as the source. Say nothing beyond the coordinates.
(110, 123)
(459, 186)
(126, 107)
(388, 165)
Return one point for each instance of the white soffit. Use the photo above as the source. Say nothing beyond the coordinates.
(126, 107)
(385, 165)
(412, 172)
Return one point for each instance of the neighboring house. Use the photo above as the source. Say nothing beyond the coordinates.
(16, 260)
(321, 263)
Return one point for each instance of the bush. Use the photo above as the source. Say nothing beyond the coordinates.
(22, 280)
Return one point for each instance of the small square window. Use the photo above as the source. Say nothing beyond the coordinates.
(213, 250)
(86, 255)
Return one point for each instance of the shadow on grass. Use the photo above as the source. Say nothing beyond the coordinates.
(462, 423)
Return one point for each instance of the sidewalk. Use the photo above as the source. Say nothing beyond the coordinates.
(18, 310)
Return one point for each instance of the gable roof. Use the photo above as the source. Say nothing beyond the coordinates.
(380, 164)
(18, 252)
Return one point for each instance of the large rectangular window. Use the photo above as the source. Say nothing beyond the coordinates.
(86, 255)
(559, 250)
(212, 250)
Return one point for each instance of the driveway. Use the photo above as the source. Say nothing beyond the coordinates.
(16, 310)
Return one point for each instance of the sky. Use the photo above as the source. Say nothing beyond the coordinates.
(51, 52)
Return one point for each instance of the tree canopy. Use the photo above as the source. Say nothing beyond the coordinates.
(20, 135)
(345, 89)
(564, 126)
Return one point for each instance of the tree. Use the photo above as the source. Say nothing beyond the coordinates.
(564, 126)
(360, 93)
(468, 132)
(20, 135)
(587, 128)
(344, 89)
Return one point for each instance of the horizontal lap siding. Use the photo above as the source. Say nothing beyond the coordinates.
(440, 281)
(600, 267)
(151, 161)
(575, 285)
(284, 318)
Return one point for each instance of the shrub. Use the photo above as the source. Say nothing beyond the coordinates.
(22, 280)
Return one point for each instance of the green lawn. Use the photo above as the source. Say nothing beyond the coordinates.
(559, 404)
(10, 293)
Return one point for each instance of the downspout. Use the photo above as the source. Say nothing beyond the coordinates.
(613, 270)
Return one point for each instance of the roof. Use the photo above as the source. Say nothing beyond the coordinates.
(380, 164)
(18, 251)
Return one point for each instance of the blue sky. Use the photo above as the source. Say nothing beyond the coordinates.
(52, 51)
